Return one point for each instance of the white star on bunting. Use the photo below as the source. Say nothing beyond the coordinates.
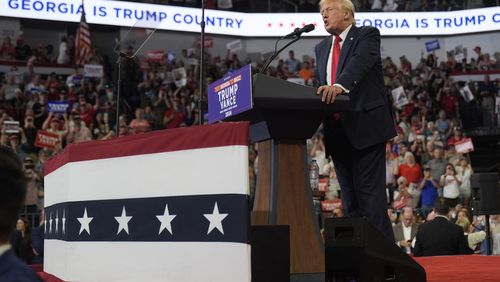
(85, 222)
(57, 221)
(50, 224)
(64, 222)
(215, 219)
(123, 221)
(166, 220)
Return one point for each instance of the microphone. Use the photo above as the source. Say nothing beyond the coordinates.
(295, 35)
(298, 31)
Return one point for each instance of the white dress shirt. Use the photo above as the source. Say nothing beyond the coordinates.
(342, 36)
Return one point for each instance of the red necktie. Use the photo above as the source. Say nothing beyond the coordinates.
(335, 62)
(335, 57)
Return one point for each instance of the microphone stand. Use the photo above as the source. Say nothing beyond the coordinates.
(276, 53)
(121, 57)
(202, 63)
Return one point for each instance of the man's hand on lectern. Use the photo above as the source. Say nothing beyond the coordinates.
(329, 93)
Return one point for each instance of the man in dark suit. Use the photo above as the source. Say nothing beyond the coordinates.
(349, 63)
(440, 236)
(12, 193)
(405, 231)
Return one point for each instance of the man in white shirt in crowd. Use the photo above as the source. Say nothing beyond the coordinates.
(405, 231)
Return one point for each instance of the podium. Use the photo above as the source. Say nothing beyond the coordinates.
(284, 115)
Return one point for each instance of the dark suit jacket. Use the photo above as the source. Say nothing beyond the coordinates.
(368, 121)
(399, 234)
(14, 270)
(440, 237)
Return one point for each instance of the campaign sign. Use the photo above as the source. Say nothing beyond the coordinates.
(11, 126)
(46, 139)
(156, 56)
(432, 45)
(93, 70)
(464, 146)
(230, 95)
(58, 107)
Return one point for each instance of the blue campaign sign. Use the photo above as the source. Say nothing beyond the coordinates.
(432, 45)
(230, 95)
(58, 107)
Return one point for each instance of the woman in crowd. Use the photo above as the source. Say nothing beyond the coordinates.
(410, 169)
(22, 241)
(139, 124)
(450, 182)
(464, 171)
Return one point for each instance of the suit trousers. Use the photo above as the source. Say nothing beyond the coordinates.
(361, 175)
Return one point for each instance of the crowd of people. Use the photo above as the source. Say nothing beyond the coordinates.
(422, 162)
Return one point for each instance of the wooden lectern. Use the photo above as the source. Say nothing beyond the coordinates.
(284, 115)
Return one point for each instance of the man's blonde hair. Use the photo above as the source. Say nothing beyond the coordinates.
(345, 4)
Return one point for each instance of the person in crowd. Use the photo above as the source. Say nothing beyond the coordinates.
(22, 241)
(405, 231)
(442, 123)
(79, 133)
(33, 185)
(54, 124)
(439, 236)
(317, 152)
(464, 172)
(456, 137)
(393, 215)
(410, 169)
(7, 50)
(292, 63)
(437, 165)
(429, 186)
(174, 117)
(407, 194)
(8, 89)
(19, 147)
(140, 124)
(390, 177)
(450, 182)
(473, 238)
(358, 135)
(12, 193)
(338, 212)
(38, 237)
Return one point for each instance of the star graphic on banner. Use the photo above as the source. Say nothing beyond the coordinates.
(215, 219)
(63, 219)
(50, 224)
(166, 220)
(57, 221)
(123, 221)
(85, 222)
(269, 25)
(292, 24)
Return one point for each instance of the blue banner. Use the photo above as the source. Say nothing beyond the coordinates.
(230, 95)
(58, 107)
(432, 45)
(100, 220)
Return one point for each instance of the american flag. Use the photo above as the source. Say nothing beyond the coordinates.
(83, 44)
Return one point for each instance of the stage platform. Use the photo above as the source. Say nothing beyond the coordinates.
(461, 268)
(441, 268)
